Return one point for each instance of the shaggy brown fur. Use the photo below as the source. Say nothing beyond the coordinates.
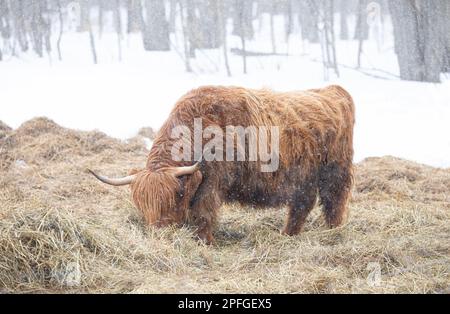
(316, 151)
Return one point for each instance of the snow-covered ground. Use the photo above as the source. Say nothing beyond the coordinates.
(406, 119)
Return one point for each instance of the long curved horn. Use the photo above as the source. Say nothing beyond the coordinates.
(181, 171)
(115, 182)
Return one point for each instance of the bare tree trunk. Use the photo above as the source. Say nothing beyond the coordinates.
(156, 30)
(446, 26)
(243, 18)
(192, 27)
(324, 54)
(362, 28)
(185, 38)
(289, 23)
(84, 15)
(433, 41)
(333, 36)
(173, 15)
(328, 42)
(61, 29)
(203, 17)
(223, 34)
(93, 50)
(101, 9)
(92, 41)
(134, 13)
(18, 17)
(419, 32)
(272, 28)
(343, 35)
(360, 50)
(5, 27)
(5, 30)
(118, 27)
(239, 16)
(244, 54)
(37, 25)
(47, 29)
(406, 45)
(309, 20)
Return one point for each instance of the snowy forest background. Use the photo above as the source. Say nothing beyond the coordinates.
(118, 65)
(421, 28)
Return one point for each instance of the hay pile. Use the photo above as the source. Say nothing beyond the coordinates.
(4, 130)
(62, 231)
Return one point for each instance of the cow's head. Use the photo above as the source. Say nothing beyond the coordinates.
(163, 195)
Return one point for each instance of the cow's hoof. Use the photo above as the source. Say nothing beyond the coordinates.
(208, 239)
(289, 233)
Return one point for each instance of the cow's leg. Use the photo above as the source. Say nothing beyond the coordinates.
(205, 222)
(203, 213)
(335, 182)
(301, 205)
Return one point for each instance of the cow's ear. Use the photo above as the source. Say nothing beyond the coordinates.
(190, 186)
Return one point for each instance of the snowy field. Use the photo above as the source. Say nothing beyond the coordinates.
(404, 119)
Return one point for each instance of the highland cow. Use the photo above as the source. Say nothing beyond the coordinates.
(315, 159)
